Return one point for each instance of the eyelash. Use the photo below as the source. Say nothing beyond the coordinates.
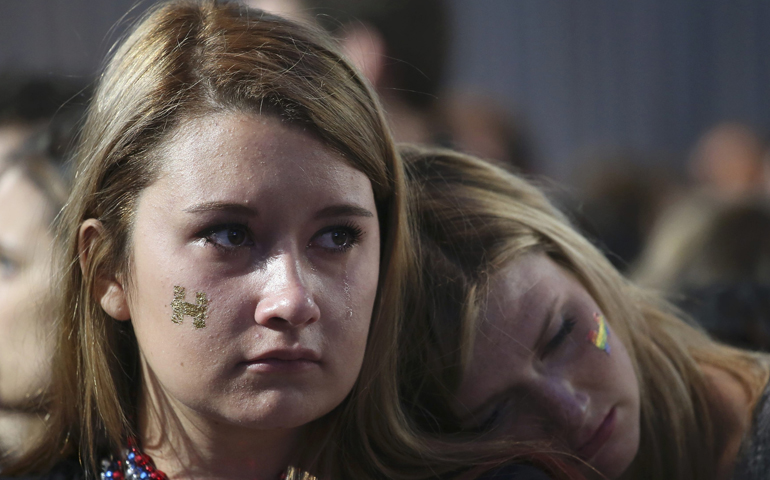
(564, 331)
(566, 328)
(490, 422)
(208, 236)
(355, 232)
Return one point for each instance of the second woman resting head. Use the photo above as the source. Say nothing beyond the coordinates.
(522, 329)
(233, 253)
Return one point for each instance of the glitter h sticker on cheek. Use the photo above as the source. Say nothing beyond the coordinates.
(180, 308)
(599, 338)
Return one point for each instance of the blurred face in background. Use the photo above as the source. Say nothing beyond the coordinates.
(25, 268)
(727, 161)
(12, 137)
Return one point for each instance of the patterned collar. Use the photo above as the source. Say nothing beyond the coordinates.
(135, 465)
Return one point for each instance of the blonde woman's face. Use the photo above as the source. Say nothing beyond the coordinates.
(547, 366)
(25, 269)
(278, 238)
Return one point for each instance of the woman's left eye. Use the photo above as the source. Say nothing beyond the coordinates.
(338, 238)
(567, 325)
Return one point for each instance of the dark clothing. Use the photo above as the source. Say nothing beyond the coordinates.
(737, 313)
(71, 470)
(754, 458)
(516, 472)
(64, 470)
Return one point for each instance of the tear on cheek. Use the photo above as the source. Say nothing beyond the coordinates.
(180, 308)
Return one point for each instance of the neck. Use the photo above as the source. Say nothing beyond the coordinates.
(187, 445)
(17, 429)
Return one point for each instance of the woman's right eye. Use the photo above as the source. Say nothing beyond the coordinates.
(229, 236)
(492, 420)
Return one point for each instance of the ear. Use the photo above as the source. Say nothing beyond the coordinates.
(107, 288)
(364, 46)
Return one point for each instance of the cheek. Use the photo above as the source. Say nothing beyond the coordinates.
(172, 343)
(26, 342)
(606, 363)
(353, 283)
(347, 302)
(628, 384)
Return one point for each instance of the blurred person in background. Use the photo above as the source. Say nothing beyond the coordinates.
(402, 47)
(29, 102)
(39, 118)
(727, 161)
(34, 182)
(476, 124)
(712, 257)
(618, 200)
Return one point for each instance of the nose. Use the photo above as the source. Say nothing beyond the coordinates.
(287, 299)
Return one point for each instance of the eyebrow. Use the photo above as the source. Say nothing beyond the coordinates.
(221, 207)
(342, 210)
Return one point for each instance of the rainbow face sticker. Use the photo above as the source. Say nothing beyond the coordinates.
(599, 338)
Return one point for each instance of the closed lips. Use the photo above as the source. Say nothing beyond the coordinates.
(287, 355)
(598, 437)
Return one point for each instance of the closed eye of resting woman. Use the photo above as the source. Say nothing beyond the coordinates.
(529, 333)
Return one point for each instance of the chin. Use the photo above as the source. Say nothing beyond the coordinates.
(279, 410)
(614, 462)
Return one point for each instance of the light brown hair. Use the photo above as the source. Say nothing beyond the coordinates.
(474, 218)
(187, 59)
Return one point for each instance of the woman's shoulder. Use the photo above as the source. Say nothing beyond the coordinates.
(64, 470)
(754, 457)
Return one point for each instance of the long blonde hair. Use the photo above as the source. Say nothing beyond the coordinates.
(187, 59)
(473, 218)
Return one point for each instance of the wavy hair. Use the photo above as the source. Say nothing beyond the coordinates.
(473, 218)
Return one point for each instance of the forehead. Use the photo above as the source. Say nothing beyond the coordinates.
(523, 295)
(239, 153)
